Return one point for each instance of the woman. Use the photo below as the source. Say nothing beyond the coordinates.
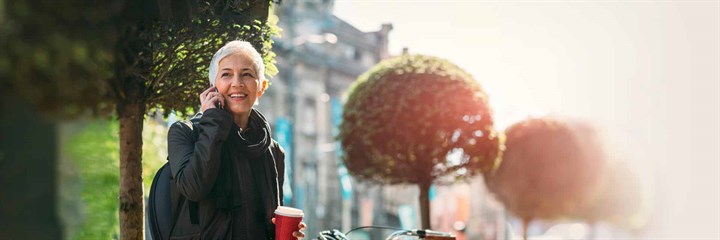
(229, 164)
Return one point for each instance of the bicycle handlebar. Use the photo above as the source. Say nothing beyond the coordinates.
(420, 233)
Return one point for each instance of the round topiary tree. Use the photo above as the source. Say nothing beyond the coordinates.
(549, 168)
(416, 119)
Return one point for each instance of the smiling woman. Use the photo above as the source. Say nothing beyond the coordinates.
(239, 82)
(240, 85)
(225, 162)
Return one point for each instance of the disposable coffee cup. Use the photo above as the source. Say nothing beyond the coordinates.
(287, 220)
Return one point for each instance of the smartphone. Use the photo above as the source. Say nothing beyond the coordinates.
(217, 104)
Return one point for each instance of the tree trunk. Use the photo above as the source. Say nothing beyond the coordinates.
(525, 223)
(133, 59)
(425, 204)
(131, 189)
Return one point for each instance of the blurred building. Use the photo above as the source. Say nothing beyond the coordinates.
(318, 57)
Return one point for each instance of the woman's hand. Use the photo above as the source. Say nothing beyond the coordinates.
(209, 98)
(299, 234)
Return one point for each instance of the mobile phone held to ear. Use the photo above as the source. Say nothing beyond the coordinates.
(217, 104)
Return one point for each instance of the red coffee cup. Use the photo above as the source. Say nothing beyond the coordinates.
(287, 220)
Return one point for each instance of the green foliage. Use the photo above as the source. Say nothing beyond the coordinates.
(94, 151)
(154, 153)
(416, 118)
(269, 57)
(550, 167)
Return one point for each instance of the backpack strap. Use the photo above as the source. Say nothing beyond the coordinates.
(178, 207)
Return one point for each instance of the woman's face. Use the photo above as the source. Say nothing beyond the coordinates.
(238, 82)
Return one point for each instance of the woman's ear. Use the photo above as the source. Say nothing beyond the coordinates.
(263, 87)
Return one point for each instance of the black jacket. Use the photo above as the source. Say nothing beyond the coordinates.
(199, 166)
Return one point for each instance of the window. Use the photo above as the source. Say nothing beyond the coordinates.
(308, 115)
(358, 55)
(349, 52)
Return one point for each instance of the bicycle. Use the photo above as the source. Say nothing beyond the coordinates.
(399, 234)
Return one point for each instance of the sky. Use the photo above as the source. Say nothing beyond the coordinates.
(646, 71)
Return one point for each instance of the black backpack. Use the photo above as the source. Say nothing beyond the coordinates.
(161, 212)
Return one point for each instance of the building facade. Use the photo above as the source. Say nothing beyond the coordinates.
(318, 57)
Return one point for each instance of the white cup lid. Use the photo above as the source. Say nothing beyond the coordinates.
(289, 212)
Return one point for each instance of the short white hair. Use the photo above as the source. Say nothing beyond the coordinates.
(234, 47)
